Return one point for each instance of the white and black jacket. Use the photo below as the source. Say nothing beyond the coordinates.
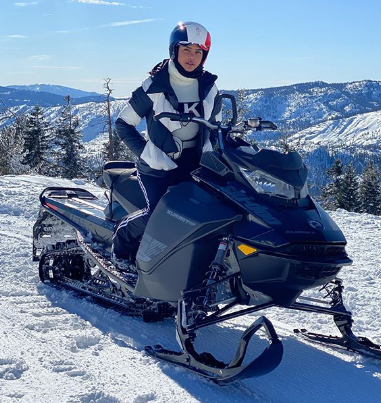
(154, 96)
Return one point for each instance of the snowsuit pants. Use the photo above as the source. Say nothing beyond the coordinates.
(131, 228)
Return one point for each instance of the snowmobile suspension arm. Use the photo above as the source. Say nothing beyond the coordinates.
(319, 309)
(217, 318)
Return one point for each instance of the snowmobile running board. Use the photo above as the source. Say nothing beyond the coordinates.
(208, 366)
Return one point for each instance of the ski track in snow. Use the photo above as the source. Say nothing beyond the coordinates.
(56, 347)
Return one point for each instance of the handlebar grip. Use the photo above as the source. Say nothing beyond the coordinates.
(267, 125)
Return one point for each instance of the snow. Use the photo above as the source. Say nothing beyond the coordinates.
(361, 130)
(57, 347)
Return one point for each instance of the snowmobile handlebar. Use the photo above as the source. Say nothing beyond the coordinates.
(251, 124)
(186, 118)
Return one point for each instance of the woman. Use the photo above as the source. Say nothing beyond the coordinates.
(172, 150)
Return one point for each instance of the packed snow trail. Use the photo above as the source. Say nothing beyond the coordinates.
(56, 347)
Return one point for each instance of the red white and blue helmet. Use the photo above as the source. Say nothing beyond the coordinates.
(189, 33)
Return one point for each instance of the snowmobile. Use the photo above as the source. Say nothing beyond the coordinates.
(242, 236)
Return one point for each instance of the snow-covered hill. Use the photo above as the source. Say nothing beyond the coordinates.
(325, 121)
(296, 107)
(23, 96)
(293, 107)
(56, 347)
(362, 130)
(55, 89)
(91, 115)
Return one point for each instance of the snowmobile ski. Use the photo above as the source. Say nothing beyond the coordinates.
(343, 320)
(208, 366)
(348, 341)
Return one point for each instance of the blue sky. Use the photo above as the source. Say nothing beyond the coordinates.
(255, 43)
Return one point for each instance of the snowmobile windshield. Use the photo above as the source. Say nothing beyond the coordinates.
(264, 183)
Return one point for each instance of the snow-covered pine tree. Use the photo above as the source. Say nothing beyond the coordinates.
(331, 191)
(121, 151)
(69, 144)
(242, 108)
(11, 151)
(37, 141)
(370, 190)
(348, 192)
(242, 111)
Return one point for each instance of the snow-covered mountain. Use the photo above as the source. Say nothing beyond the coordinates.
(293, 108)
(321, 119)
(91, 115)
(361, 130)
(296, 107)
(24, 96)
(58, 347)
(55, 89)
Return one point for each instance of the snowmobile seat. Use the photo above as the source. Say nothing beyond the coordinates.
(120, 177)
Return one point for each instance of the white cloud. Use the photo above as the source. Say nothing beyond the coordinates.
(100, 2)
(57, 67)
(123, 23)
(132, 6)
(32, 3)
(40, 57)
(16, 36)
(69, 32)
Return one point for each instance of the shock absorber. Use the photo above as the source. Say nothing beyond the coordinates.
(217, 269)
(200, 301)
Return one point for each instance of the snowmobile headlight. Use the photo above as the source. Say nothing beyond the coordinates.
(263, 182)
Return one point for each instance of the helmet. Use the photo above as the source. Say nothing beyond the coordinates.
(187, 33)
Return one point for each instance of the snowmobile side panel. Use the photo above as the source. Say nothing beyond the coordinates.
(78, 209)
(180, 241)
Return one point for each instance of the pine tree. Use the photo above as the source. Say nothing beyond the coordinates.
(348, 194)
(37, 141)
(121, 151)
(242, 109)
(331, 191)
(370, 190)
(11, 151)
(68, 140)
